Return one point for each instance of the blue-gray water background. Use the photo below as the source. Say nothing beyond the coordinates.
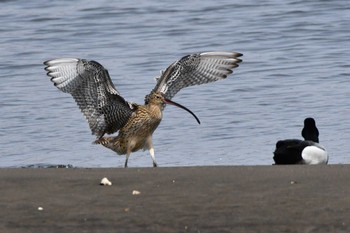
(295, 65)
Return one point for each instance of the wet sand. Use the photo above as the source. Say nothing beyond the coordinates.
(293, 198)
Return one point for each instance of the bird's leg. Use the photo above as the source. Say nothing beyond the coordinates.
(126, 160)
(151, 152)
(149, 146)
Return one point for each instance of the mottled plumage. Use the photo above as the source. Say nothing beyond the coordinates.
(92, 88)
(196, 69)
(108, 112)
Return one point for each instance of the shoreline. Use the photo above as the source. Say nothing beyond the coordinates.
(287, 198)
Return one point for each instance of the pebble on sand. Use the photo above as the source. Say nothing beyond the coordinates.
(105, 182)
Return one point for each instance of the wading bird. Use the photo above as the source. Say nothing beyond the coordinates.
(108, 112)
(308, 151)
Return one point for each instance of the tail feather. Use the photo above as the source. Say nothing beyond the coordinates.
(112, 143)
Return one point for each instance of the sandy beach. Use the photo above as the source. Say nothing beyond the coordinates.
(293, 198)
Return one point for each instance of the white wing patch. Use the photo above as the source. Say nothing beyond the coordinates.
(314, 155)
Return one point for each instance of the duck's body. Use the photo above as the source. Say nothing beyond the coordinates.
(308, 151)
(295, 151)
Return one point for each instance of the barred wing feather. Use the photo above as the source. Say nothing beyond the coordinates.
(92, 88)
(196, 69)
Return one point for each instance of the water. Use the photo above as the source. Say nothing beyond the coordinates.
(296, 65)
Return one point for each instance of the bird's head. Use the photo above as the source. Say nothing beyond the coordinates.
(310, 131)
(158, 99)
(309, 122)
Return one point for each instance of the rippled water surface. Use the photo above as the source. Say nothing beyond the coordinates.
(296, 65)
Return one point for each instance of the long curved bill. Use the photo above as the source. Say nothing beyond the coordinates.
(183, 107)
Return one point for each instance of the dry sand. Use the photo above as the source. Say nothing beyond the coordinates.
(267, 199)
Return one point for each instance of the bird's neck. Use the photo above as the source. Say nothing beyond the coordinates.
(155, 110)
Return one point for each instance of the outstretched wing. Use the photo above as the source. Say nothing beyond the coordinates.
(92, 88)
(196, 69)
